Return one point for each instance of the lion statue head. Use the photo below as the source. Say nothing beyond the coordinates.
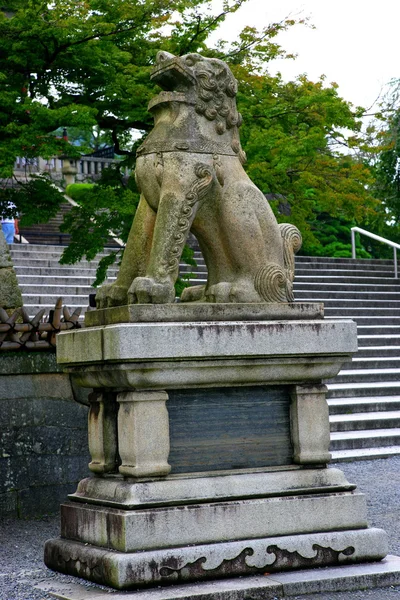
(209, 83)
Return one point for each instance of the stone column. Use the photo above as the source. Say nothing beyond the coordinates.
(84, 167)
(143, 434)
(102, 424)
(309, 424)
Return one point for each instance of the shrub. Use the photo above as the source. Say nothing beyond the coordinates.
(78, 191)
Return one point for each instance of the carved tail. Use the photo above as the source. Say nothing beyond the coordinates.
(292, 241)
(273, 283)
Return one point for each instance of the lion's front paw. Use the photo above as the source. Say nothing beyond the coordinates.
(145, 290)
(111, 294)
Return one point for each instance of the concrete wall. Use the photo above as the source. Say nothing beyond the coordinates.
(43, 435)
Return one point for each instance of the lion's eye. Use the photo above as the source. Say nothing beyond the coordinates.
(189, 61)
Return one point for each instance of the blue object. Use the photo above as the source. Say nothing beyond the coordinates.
(9, 232)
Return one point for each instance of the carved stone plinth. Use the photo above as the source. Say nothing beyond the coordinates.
(209, 444)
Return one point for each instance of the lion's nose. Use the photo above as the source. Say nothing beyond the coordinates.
(162, 56)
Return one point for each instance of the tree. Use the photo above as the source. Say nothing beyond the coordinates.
(293, 137)
(86, 64)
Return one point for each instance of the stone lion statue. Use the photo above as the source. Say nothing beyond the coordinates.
(191, 178)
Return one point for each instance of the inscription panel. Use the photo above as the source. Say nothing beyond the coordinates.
(229, 428)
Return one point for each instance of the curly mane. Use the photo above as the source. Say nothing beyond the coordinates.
(217, 89)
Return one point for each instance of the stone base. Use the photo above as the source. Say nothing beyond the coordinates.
(116, 491)
(341, 578)
(211, 522)
(211, 561)
(203, 311)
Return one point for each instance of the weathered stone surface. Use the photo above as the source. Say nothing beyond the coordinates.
(192, 374)
(164, 527)
(309, 415)
(175, 341)
(43, 385)
(118, 492)
(273, 554)
(229, 428)
(364, 576)
(43, 435)
(184, 312)
(28, 362)
(9, 503)
(10, 294)
(143, 434)
(5, 256)
(102, 432)
(190, 173)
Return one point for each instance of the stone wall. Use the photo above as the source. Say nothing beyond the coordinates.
(43, 435)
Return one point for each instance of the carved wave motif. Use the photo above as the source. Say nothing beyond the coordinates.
(270, 283)
(255, 559)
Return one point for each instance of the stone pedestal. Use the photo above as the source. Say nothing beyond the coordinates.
(209, 439)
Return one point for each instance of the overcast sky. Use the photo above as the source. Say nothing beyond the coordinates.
(356, 43)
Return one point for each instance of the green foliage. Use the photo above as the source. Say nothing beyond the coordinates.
(36, 200)
(78, 191)
(291, 135)
(85, 65)
(102, 210)
(331, 237)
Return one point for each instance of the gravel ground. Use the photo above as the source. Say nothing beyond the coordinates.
(21, 548)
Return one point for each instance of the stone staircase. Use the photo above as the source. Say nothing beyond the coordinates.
(364, 400)
(42, 279)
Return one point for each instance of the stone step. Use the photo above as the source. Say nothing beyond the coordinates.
(369, 330)
(325, 278)
(30, 290)
(315, 287)
(352, 312)
(343, 293)
(362, 421)
(33, 309)
(351, 302)
(349, 406)
(367, 375)
(373, 351)
(365, 453)
(373, 362)
(365, 389)
(183, 268)
(368, 438)
(24, 263)
(44, 281)
(39, 247)
(375, 320)
(68, 300)
(378, 340)
(374, 270)
(61, 271)
(347, 261)
(39, 255)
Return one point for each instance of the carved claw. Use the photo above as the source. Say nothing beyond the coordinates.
(111, 294)
(145, 290)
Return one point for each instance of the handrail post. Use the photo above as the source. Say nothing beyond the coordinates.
(395, 262)
(353, 244)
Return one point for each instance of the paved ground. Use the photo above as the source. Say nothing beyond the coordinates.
(21, 542)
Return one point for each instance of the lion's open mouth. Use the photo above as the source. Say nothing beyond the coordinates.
(170, 72)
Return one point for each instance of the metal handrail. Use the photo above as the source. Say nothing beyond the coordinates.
(378, 238)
